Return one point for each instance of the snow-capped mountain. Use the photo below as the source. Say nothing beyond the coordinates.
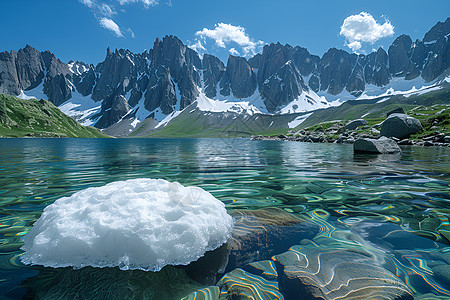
(160, 83)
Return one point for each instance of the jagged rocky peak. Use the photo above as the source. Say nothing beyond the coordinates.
(274, 56)
(376, 70)
(213, 70)
(240, 76)
(30, 67)
(114, 108)
(438, 31)
(57, 85)
(437, 42)
(161, 92)
(120, 67)
(172, 53)
(9, 80)
(184, 65)
(335, 69)
(84, 77)
(79, 67)
(400, 64)
(282, 87)
(305, 61)
(255, 61)
(53, 65)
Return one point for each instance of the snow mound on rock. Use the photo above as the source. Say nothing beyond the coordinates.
(135, 224)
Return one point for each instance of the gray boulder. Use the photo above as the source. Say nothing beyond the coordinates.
(355, 124)
(400, 126)
(381, 146)
(398, 110)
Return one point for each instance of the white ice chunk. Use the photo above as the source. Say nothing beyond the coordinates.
(135, 224)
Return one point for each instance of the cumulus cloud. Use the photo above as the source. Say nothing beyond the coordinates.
(224, 34)
(361, 28)
(111, 25)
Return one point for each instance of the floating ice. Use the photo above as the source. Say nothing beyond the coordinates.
(134, 224)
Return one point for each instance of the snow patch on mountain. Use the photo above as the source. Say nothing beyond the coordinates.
(231, 104)
(36, 93)
(139, 111)
(77, 68)
(81, 108)
(299, 120)
(307, 101)
(167, 119)
(396, 86)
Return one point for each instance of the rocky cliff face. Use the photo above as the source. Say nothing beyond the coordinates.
(170, 76)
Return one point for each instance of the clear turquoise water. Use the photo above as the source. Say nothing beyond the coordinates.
(411, 190)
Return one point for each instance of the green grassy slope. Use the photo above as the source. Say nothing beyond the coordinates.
(374, 111)
(39, 118)
(195, 123)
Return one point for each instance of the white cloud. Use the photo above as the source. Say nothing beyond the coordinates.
(88, 3)
(355, 46)
(131, 32)
(364, 28)
(146, 3)
(198, 46)
(111, 25)
(224, 34)
(234, 52)
(106, 10)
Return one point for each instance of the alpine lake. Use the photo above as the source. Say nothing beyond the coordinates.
(312, 221)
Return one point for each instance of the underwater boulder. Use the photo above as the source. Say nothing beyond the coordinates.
(259, 234)
(336, 271)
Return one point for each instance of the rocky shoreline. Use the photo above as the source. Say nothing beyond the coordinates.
(439, 139)
(397, 126)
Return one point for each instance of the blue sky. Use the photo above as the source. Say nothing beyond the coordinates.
(83, 29)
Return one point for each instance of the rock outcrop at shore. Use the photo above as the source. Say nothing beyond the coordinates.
(383, 145)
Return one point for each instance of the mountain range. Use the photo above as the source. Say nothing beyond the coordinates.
(127, 88)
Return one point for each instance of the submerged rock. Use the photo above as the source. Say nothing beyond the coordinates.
(134, 224)
(400, 126)
(209, 293)
(259, 234)
(239, 284)
(110, 283)
(381, 146)
(337, 272)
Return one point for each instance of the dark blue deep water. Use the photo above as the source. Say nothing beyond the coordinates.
(407, 195)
